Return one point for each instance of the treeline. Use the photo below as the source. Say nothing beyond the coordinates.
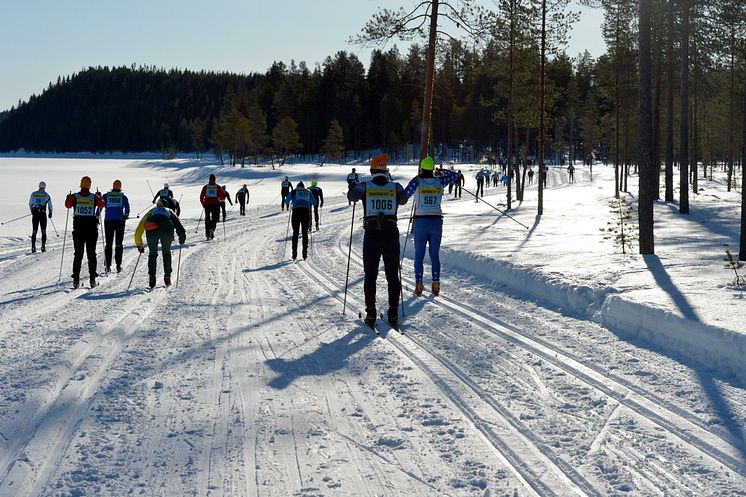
(591, 104)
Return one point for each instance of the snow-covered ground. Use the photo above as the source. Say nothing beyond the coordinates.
(550, 366)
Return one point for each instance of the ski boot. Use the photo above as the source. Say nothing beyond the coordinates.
(167, 281)
(393, 317)
(76, 282)
(119, 268)
(92, 281)
(418, 288)
(370, 316)
(151, 283)
(108, 269)
(43, 249)
(435, 288)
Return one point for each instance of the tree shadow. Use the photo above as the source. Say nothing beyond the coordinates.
(530, 233)
(328, 357)
(725, 413)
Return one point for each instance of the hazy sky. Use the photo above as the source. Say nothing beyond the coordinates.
(43, 39)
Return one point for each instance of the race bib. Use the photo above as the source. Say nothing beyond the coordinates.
(430, 197)
(85, 206)
(380, 200)
(303, 195)
(211, 191)
(163, 193)
(114, 200)
(40, 199)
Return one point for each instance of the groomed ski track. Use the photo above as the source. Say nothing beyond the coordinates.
(247, 380)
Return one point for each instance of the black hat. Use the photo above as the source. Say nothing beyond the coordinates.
(212, 177)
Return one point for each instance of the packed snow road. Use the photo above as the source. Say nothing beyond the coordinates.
(245, 379)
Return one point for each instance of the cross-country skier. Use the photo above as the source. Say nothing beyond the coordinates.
(480, 183)
(117, 212)
(460, 182)
(428, 219)
(242, 197)
(352, 179)
(164, 192)
(571, 171)
(530, 176)
(381, 199)
(222, 201)
(210, 198)
(285, 188)
(85, 228)
(318, 194)
(302, 200)
(38, 203)
(159, 224)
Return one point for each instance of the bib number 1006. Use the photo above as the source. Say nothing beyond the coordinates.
(382, 204)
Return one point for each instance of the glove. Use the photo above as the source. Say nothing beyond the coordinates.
(49, 215)
(124, 218)
(181, 241)
(141, 248)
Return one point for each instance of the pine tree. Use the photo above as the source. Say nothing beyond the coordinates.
(334, 144)
(285, 136)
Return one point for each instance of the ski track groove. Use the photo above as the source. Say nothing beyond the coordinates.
(688, 429)
(527, 476)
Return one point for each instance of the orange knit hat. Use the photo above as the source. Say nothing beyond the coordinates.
(379, 162)
(117, 184)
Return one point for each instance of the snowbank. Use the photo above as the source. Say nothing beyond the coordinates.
(717, 348)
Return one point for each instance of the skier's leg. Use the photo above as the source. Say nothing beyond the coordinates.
(295, 219)
(166, 240)
(390, 254)
(43, 225)
(371, 257)
(109, 231)
(436, 235)
(34, 229)
(419, 248)
(152, 238)
(305, 221)
(119, 243)
(90, 248)
(78, 247)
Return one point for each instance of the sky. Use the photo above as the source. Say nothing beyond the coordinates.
(43, 39)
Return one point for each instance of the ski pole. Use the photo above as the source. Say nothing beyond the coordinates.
(401, 258)
(64, 239)
(498, 210)
(310, 229)
(349, 253)
(224, 237)
(146, 208)
(178, 266)
(287, 232)
(200, 220)
(16, 219)
(150, 188)
(54, 227)
(134, 270)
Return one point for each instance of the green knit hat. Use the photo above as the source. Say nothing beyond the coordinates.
(427, 164)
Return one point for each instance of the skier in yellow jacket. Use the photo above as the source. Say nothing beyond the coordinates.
(159, 224)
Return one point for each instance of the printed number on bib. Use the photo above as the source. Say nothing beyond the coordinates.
(381, 201)
(40, 200)
(430, 198)
(113, 200)
(85, 207)
(303, 195)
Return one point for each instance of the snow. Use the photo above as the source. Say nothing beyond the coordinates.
(551, 365)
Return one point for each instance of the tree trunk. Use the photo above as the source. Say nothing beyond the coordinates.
(742, 250)
(669, 105)
(731, 114)
(510, 111)
(684, 123)
(427, 105)
(657, 121)
(647, 170)
(617, 104)
(542, 173)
